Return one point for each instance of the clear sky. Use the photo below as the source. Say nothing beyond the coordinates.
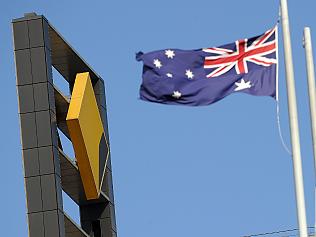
(217, 170)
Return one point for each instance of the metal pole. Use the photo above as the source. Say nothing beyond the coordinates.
(295, 138)
(311, 90)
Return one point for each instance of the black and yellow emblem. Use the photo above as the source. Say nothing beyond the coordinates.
(87, 135)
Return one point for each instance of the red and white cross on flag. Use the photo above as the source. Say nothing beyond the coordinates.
(260, 50)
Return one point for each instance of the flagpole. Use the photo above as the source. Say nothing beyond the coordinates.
(295, 138)
(312, 93)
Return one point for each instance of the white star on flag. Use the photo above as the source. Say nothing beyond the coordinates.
(242, 85)
(157, 63)
(176, 94)
(169, 53)
(189, 74)
(169, 75)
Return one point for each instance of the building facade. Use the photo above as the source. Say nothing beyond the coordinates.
(43, 108)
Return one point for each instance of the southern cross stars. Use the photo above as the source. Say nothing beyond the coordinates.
(157, 63)
(242, 85)
(169, 53)
(189, 74)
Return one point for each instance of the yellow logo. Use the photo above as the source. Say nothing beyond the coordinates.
(87, 135)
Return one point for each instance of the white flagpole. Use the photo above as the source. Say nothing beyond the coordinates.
(311, 91)
(295, 137)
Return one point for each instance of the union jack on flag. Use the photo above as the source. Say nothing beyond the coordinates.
(204, 76)
(258, 50)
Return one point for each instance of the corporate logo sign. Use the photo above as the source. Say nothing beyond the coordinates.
(87, 135)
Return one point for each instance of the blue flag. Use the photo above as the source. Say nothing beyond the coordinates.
(204, 76)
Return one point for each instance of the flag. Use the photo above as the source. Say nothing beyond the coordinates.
(204, 76)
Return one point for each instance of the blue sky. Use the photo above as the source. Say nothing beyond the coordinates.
(217, 170)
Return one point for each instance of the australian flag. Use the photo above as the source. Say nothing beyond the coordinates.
(204, 76)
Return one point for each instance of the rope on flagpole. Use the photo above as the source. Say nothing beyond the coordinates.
(280, 130)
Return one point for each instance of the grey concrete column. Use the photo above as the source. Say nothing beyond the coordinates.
(38, 127)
